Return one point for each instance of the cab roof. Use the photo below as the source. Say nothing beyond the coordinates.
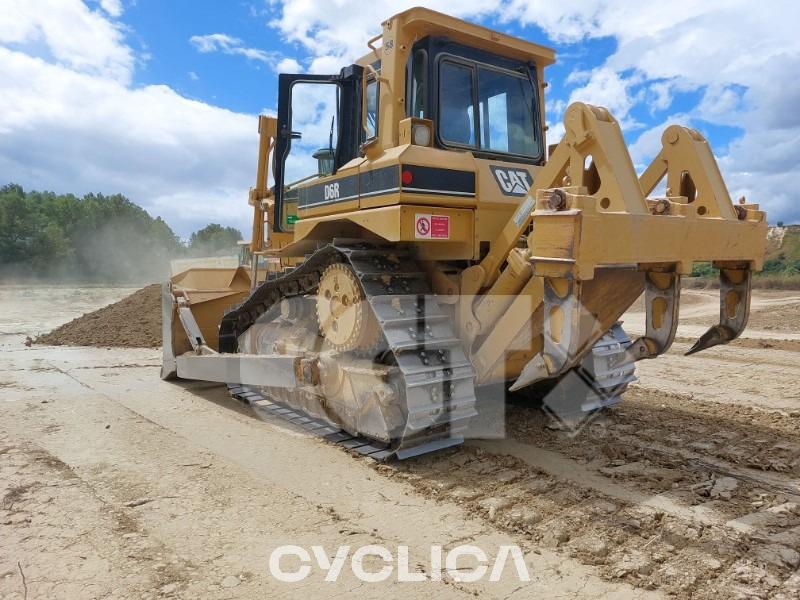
(417, 23)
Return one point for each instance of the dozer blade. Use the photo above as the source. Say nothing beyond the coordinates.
(662, 298)
(734, 309)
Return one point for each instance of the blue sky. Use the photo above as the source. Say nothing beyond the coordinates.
(163, 34)
(158, 100)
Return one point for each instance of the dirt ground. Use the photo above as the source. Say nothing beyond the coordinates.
(115, 484)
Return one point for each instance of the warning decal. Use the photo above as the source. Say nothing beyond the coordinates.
(431, 227)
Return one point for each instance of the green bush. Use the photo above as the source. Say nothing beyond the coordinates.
(704, 269)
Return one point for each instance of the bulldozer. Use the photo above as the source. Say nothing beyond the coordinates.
(421, 243)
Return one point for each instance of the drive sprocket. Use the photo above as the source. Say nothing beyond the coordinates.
(345, 317)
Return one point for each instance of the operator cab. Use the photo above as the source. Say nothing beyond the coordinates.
(463, 90)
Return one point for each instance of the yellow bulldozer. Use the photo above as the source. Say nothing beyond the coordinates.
(422, 243)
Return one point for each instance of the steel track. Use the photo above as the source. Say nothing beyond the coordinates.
(436, 380)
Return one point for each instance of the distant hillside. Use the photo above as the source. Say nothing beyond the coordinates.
(783, 250)
(781, 263)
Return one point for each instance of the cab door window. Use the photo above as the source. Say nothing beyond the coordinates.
(371, 116)
(456, 104)
(419, 67)
(314, 130)
(506, 114)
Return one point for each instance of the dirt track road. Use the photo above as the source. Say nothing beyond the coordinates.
(762, 368)
(116, 484)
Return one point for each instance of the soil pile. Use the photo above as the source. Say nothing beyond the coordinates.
(133, 322)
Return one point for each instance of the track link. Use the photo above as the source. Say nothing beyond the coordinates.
(436, 380)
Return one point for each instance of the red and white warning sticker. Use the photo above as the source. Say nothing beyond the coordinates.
(431, 227)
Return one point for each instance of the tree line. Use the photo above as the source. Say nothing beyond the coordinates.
(94, 238)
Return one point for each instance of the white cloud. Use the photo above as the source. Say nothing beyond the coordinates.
(608, 88)
(288, 65)
(578, 76)
(327, 64)
(112, 7)
(70, 121)
(220, 42)
(68, 33)
(659, 94)
(720, 104)
(227, 44)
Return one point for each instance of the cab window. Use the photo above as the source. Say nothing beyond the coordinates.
(506, 113)
(313, 123)
(456, 104)
(487, 109)
(419, 66)
(371, 117)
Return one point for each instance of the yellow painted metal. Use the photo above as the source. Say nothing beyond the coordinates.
(687, 161)
(514, 338)
(345, 317)
(395, 224)
(496, 300)
(573, 226)
(260, 196)
(208, 292)
(492, 209)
